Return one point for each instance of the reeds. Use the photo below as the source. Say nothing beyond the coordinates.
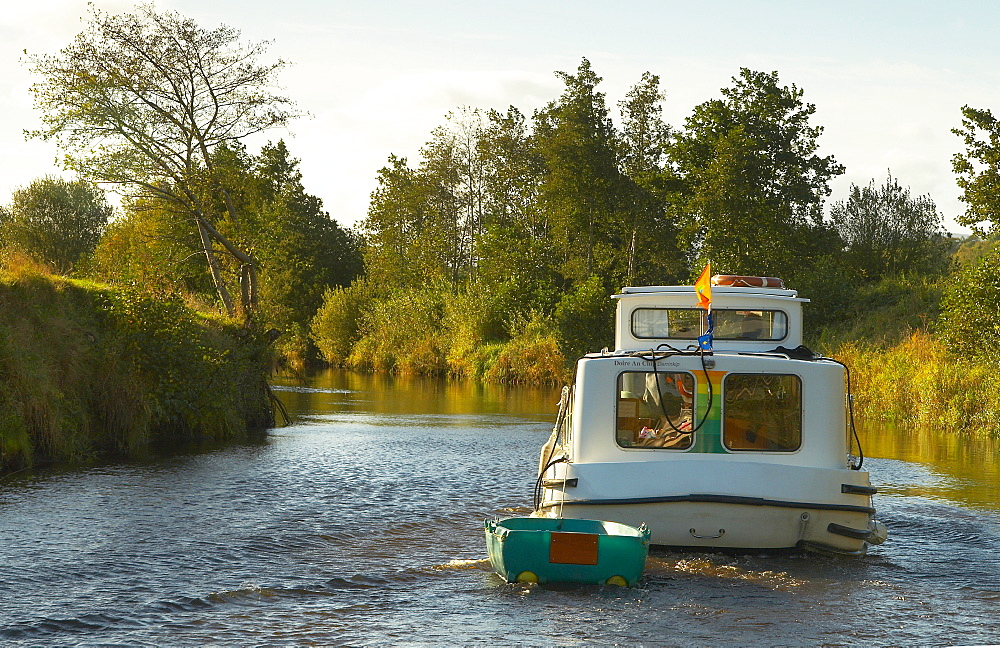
(918, 383)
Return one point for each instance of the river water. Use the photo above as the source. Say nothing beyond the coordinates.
(361, 524)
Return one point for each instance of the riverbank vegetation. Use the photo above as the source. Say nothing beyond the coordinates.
(492, 255)
(88, 370)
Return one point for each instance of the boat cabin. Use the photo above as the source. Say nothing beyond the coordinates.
(662, 430)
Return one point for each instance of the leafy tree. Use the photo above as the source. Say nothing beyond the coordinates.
(402, 246)
(582, 184)
(56, 221)
(143, 100)
(653, 255)
(513, 170)
(302, 251)
(585, 318)
(454, 173)
(888, 231)
(978, 169)
(752, 183)
(149, 246)
(969, 307)
(517, 265)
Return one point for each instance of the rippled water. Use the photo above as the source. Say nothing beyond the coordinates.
(362, 525)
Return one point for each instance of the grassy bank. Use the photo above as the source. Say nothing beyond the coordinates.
(890, 334)
(436, 333)
(917, 383)
(88, 371)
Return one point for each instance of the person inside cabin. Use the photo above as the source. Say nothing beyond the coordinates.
(752, 326)
(677, 393)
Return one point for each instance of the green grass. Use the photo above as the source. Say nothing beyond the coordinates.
(87, 370)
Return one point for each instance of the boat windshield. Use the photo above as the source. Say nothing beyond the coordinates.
(654, 409)
(689, 323)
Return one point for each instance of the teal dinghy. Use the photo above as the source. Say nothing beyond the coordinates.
(561, 550)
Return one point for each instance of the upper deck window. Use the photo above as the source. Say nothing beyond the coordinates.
(689, 323)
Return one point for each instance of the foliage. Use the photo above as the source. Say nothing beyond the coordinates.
(337, 324)
(402, 333)
(404, 244)
(300, 250)
(582, 184)
(887, 231)
(149, 245)
(978, 169)
(532, 355)
(584, 319)
(654, 255)
(752, 184)
(917, 381)
(144, 100)
(56, 221)
(877, 314)
(969, 324)
(87, 370)
(474, 320)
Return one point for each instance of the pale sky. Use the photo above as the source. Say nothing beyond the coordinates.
(888, 78)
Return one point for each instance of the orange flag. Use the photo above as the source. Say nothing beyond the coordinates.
(703, 287)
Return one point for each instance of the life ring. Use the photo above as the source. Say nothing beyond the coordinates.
(752, 282)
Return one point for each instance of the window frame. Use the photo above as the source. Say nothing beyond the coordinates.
(619, 399)
(725, 417)
(702, 322)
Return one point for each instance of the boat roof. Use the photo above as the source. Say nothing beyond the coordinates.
(651, 291)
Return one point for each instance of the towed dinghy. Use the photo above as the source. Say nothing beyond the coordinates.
(566, 550)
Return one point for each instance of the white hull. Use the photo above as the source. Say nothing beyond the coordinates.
(715, 525)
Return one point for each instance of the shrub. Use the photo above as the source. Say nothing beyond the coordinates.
(918, 383)
(402, 333)
(584, 319)
(336, 327)
(88, 370)
(970, 308)
(532, 356)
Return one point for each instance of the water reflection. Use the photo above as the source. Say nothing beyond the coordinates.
(362, 525)
(935, 463)
(345, 391)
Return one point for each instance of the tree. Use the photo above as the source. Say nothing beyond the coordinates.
(752, 184)
(968, 324)
(978, 169)
(653, 256)
(582, 184)
(142, 100)
(56, 221)
(403, 244)
(513, 170)
(887, 230)
(302, 251)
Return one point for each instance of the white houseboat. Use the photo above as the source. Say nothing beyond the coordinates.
(746, 445)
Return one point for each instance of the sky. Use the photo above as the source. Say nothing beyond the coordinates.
(888, 79)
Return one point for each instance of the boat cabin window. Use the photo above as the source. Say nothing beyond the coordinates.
(762, 412)
(689, 323)
(655, 409)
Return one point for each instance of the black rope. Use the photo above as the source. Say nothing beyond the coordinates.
(537, 499)
(850, 411)
(659, 392)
